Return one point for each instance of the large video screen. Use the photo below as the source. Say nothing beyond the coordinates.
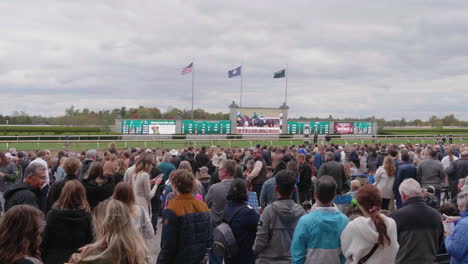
(298, 127)
(363, 127)
(206, 127)
(343, 128)
(259, 121)
(149, 127)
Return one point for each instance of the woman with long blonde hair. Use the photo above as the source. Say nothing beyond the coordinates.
(68, 224)
(123, 192)
(117, 239)
(141, 183)
(384, 179)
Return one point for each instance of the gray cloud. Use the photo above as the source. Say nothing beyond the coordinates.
(346, 58)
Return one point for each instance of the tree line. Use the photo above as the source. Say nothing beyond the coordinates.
(85, 116)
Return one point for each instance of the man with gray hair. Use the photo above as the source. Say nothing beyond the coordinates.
(29, 191)
(420, 228)
(90, 157)
(335, 170)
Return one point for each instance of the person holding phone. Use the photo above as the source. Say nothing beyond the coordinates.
(456, 243)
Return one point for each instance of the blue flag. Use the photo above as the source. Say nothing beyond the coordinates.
(235, 72)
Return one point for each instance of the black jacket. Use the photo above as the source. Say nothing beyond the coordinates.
(22, 193)
(457, 170)
(202, 160)
(336, 171)
(56, 189)
(66, 231)
(305, 180)
(96, 194)
(420, 232)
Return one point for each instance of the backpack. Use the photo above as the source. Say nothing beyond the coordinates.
(224, 241)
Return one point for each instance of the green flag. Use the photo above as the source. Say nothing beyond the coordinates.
(280, 74)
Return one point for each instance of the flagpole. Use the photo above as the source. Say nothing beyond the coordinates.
(286, 90)
(193, 82)
(241, 84)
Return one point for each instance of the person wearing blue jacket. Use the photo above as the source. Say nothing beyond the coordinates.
(457, 243)
(405, 170)
(317, 235)
(318, 159)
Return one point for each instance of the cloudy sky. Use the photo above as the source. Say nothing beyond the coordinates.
(346, 58)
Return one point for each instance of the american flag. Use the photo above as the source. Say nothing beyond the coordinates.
(187, 69)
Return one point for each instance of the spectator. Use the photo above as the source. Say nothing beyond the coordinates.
(216, 196)
(123, 192)
(420, 229)
(68, 224)
(111, 170)
(318, 158)
(456, 171)
(406, 170)
(448, 159)
(267, 196)
(204, 178)
(23, 161)
(98, 188)
(258, 175)
(60, 173)
(243, 224)
(201, 159)
(277, 223)
(335, 170)
(166, 167)
(185, 165)
(90, 157)
(373, 236)
(384, 180)
(372, 160)
(276, 157)
(431, 172)
(8, 176)
(355, 185)
(20, 235)
(353, 156)
(305, 179)
(141, 183)
(317, 235)
(186, 234)
(117, 240)
(456, 243)
(29, 191)
(71, 169)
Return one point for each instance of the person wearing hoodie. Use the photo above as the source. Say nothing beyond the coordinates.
(98, 188)
(317, 235)
(277, 223)
(68, 224)
(372, 237)
(29, 191)
(71, 168)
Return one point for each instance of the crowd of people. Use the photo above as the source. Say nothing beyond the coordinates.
(330, 203)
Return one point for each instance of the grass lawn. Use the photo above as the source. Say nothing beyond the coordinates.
(184, 143)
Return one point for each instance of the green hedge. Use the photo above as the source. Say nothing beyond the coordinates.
(51, 130)
(433, 131)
